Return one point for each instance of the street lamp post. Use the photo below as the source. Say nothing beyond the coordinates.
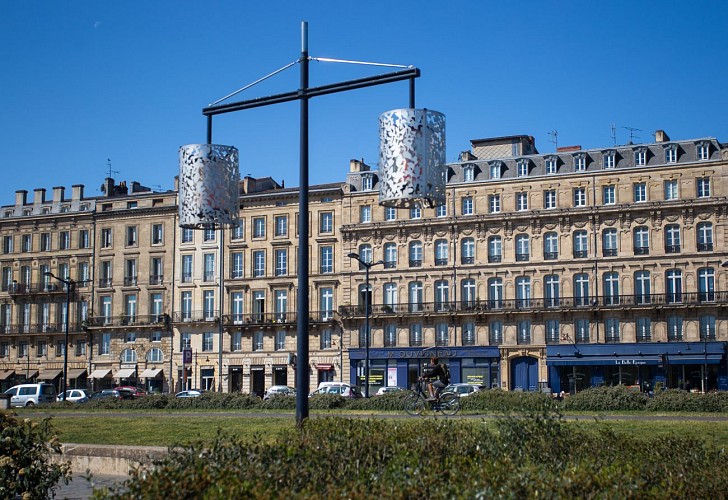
(367, 333)
(69, 289)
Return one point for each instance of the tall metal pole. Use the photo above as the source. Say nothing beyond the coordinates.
(302, 376)
(222, 307)
(366, 330)
(64, 382)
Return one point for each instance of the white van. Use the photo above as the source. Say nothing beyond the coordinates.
(341, 388)
(31, 394)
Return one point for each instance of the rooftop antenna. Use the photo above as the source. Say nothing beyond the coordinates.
(158, 187)
(555, 138)
(111, 172)
(632, 131)
(614, 134)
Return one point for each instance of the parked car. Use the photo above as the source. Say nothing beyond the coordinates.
(277, 390)
(75, 396)
(106, 393)
(192, 393)
(462, 390)
(341, 388)
(129, 391)
(31, 394)
(390, 389)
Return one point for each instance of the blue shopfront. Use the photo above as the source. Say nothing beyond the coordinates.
(401, 367)
(697, 366)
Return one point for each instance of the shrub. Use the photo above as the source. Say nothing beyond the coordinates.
(537, 456)
(25, 453)
(500, 401)
(678, 400)
(606, 398)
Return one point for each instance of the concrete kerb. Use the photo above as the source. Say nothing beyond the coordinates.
(114, 460)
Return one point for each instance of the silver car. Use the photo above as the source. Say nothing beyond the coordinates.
(31, 394)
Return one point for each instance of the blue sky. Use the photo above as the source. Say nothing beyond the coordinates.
(85, 81)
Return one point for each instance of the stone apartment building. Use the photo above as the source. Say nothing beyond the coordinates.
(552, 271)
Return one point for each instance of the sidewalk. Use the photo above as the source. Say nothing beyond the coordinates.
(81, 488)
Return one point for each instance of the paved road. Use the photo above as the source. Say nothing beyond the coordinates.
(81, 488)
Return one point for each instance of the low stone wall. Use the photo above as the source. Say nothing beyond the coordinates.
(112, 460)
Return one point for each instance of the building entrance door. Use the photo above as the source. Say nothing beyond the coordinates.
(524, 374)
(236, 379)
(257, 381)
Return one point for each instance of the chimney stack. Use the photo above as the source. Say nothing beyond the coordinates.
(20, 197)
(77, 192)
(39, 196)
(58, 192)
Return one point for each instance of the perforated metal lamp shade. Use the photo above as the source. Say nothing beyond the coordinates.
(412, 158)
(209, 179)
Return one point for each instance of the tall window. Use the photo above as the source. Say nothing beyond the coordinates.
(280, 340)
(390, 295)
(390, 213)
(551, 164)
(441, 252)
(131, 236)
(468, 333)
(671, 154)
(415, 335)
(551, 290)
(640, 192)
(553, 330)
(495, 293)
(367, 182)
(707, 327)
(236, 264)
(468, 205)
(106, 309)
(415, 254)
(130, 272)
(641, 240)
(495, 333)
(259, 227)
(495, 249)
(703, 151)
(365, 253)
(258, 341)
(609, 242)
(236, 307)
(524, 332)
(671, 190)
(390, 255)
(581, 244)
(281, 304)
(130, 308)
(258, 305)
(468, 173)
(156, 311)
(581, 289)
(467, 252)
(611, 330)
(157, 234)
(706, 284)
(609, 195)
(495, 170)
(580, 197)
(208, 260)
(281, 256)
(442, 334)
(442, 295)
(643, 329)
(27, 243)
(237, 231)
(642, 287)
(551, 246)
(673, 286)
(441, 210)
(705, 237)
(611, 289)
(522, 168)
(581, 331)
(208, 341)
(208, 304)
(186, 269)
(326, 222)
(416, 212)
(64, 240)
(549, 199)
(672, 238)
(522, 201)
(326, 338)
(640, 157)
(494, 204)
(327, 259)
(281, 226)
(609, 159)
(674, 328)
(579, 162)
(326, 303)
(468, 294)
(105, 344)
(365, 214)
(522, 248)
(258, 263)
(415, 296)
(186, 305)
(523, 292)
(45, 240)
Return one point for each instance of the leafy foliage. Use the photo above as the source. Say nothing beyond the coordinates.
(540, 455)
(26, 470)
(607, 398)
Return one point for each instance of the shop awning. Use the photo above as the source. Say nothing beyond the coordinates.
(124, 373)
(100, 373)
(151, 373)
(30, 374)
(74, 373)
(324, 367)
(49, 374)
(6, 374)
(604, 360)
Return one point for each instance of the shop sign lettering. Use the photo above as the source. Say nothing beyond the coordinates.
(630, 362)
(440, 353)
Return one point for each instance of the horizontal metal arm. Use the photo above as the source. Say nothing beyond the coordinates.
(371, 81)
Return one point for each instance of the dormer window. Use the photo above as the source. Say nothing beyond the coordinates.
(367, 182)
(496, 168)
(671, 153)
(46, 210)
(522, 168)
(8, 213)
(131, 204)
(551, 164)
(468, 173)
(83, 207)
(703, 150)
(27, 211)
(609, 159)
(580, 162)
(64, 209)
(640, 157)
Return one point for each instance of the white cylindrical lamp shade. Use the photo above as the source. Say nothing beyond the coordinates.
(209, 179)
(412, 158)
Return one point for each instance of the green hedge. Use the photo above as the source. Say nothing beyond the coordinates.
(537, 456)
(26, 447)
(607, 398)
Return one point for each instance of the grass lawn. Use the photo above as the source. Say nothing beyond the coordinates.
(179, 428)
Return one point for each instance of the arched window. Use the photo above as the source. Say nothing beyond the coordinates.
(155, 355)
(128, 356)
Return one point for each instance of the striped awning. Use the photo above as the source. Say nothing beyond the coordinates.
(124, 373)
(100, 373)
(151, 373)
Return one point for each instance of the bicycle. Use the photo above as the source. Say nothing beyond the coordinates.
(416, 403)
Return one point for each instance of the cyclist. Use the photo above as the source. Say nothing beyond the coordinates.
(435, 371)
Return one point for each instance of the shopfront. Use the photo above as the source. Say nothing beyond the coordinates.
(646, 367)
(401, 367)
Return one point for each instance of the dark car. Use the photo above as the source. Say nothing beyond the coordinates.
(130, 392)
(106, 393)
